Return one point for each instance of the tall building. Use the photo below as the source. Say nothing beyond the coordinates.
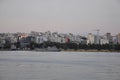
(90, 39)
(118, 38)
(115, 39)
(109, 38)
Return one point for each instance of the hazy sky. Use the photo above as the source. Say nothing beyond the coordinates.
(76, 16)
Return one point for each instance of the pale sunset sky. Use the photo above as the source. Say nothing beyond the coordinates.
(75, 16)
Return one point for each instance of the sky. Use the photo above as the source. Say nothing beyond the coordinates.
(63, 16)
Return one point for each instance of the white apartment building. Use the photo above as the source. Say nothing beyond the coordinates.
(90, 38)
(40, 39)
(104, 40)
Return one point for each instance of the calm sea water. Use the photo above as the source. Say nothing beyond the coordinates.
(31, 65)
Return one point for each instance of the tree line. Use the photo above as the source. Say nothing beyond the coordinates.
(65, 46)
(75, 46)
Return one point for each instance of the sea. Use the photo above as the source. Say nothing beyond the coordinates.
(32, 65)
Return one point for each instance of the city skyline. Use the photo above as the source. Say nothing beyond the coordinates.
(74, 16)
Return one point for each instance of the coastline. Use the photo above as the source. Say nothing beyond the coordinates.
(83, 50)
(69, 50)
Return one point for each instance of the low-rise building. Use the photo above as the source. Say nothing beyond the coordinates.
(83, 40)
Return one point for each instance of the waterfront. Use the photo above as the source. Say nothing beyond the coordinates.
(31, 65)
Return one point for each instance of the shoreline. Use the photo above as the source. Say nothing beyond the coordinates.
(70, 50)
(82, 50)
